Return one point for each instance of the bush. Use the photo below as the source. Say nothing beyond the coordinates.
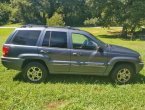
(56, 20)
(91, 22)
(15, 16)
(4, 13)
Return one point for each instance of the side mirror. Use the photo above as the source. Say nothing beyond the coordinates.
(100, 49)
(90, 45)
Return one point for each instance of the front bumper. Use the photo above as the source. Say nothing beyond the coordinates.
(139, 67)
(12, 63)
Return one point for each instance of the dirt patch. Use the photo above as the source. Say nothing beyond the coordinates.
(55, 105)
(114, 32)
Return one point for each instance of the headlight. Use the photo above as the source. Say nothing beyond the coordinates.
(140, 58)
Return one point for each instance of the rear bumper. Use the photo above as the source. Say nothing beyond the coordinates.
(12, 63)
(139, 67)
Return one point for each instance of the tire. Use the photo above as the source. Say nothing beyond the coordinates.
(122, 74)
(35, 72)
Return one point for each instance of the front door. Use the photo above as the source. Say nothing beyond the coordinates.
(55, 50)
(85, 59)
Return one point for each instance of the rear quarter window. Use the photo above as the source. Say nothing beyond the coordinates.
(26, 37)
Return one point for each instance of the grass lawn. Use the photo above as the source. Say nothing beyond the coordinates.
(12, 25)
(72, 92)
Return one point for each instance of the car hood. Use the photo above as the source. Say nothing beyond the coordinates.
(123, 50)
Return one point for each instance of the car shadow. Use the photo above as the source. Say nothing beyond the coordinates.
(68, 79)
(81, 79)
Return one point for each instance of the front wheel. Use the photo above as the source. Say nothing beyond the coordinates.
(35, 72)
(122, 74)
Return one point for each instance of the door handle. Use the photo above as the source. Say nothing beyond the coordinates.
(44, 51)
(76, 54)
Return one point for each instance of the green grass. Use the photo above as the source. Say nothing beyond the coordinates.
(12, 25)
(70, 92)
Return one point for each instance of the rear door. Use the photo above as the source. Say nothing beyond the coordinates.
(56, 52)
(86, 60)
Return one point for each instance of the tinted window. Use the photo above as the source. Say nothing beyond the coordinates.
(26, 37)
(46, 39)
(58, 39)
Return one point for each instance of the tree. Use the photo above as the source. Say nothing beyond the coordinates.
(126, 13)
(73, 11)
(31, 11)
(5, 1)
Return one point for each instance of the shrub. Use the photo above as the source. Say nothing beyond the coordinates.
(56, 20)
(91, 22)
(15, 16)
(4, 13)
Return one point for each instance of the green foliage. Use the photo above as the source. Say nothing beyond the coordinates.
(75, 11)
(30, 11)
(127, 13)
(4, 13)
(91, 22)
(15, 16)
(56, 20)
(4, 1)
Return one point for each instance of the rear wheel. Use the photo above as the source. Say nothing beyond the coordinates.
(35, 72)
(123, 74)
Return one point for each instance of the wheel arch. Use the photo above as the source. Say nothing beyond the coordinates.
(27, 61)
(123, 62)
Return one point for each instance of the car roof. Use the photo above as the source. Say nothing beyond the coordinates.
(44, 27)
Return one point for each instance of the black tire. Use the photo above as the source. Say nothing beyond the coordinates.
(122, 74)
(35, 72)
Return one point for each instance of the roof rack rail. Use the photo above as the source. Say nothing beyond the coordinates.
(45, 26)
(33, 25)
(69, 27)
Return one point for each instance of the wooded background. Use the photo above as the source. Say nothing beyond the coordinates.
(130, 14)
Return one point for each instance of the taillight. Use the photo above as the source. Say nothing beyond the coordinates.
(5, 50)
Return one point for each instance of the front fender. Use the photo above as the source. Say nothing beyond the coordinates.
(111, 63)
(122, 59)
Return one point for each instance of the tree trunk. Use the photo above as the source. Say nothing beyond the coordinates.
(133, 29)
(124, 32)
(44, 18)
(132, 32)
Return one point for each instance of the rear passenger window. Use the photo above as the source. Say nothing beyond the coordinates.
(58, 39)
(55, 39)
(26, 37)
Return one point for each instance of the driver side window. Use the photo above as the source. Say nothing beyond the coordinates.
(81, 41)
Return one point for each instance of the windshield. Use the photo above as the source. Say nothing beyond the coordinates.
(99, 41)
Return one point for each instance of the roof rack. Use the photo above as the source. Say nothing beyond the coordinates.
(33, 25)
(69, 27)
(45, 26)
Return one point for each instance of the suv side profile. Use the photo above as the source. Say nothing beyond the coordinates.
(38, 50)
